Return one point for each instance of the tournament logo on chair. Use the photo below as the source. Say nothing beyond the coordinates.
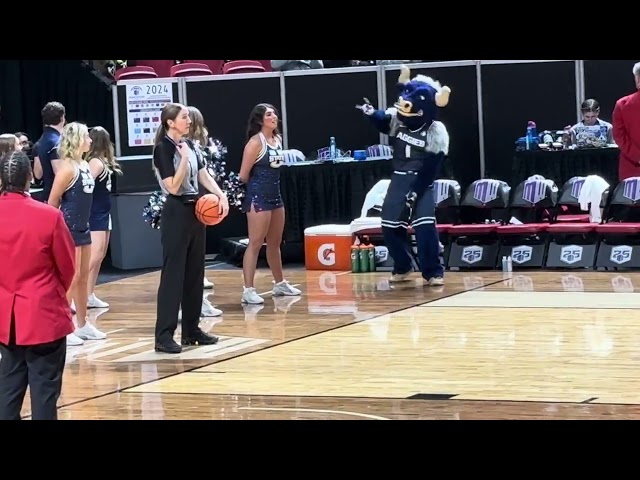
(472, 254)
(576, 188)
(571, 254)
(521, 254)
(621, 254)
(534, 191)
(631, 189)
(486, 191)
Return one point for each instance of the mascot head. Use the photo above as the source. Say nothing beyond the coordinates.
(419, 99)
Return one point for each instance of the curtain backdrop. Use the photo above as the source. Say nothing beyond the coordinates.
(27, 85)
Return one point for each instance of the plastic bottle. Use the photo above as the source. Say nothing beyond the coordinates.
(509, 264)
(363, 256)
(333, 151)
(371, 250)
(504, 264)
(355, 259)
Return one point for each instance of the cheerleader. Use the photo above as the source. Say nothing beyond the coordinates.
(260, 172)
(103, 164)
(72, 192)
(199, 136)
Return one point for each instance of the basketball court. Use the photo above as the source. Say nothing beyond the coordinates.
(540, 345)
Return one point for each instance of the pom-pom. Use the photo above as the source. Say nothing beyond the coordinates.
(234, 189)
(230, 183)
(152, 212)
(214, 156)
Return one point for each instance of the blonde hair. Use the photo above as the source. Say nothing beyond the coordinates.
(198, 130)
(7, 143)
(102, 148)
(72, 140)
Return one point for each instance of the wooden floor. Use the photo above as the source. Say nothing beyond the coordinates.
(538, 345)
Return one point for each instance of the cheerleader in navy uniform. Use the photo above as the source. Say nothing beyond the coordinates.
(72, 191)
(103, 164)
(260, 172)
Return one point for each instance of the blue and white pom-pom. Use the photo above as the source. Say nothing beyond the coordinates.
(153, 210)
(230, 184)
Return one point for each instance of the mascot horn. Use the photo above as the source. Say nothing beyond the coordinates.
(420, 144)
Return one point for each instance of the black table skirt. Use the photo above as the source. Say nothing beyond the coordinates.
(327, 193)
(563, 165)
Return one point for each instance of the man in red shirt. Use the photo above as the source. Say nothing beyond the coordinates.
(626, 130)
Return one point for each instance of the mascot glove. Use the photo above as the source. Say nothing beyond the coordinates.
(367, 109)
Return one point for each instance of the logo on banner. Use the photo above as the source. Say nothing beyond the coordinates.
(534, 191)
(472, 254)
(621, 254)
(631, 189)
(327, 254)
(521, 254)
(571, 254)
(486, 191)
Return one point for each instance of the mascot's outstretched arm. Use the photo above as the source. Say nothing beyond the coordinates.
(380, 119)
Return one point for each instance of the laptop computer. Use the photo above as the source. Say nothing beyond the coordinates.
(593, 136)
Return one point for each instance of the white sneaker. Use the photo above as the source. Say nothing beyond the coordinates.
(209, 310)
(249, 295)
(400, 277)
(90, 332)
(95, 302)
(284, 288)
(74, 341)
(435, 282)
(207, 284)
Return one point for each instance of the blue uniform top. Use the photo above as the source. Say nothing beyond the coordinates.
(102, 193)
(77, 199)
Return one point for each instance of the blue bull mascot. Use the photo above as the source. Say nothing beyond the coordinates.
(420, 144)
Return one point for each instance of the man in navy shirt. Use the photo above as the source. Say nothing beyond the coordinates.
(46, 148)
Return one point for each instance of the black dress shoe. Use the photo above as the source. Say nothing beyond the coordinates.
(168, 346)
(199, 338)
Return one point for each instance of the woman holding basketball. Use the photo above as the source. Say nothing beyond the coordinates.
(261, 161)
(180, 172)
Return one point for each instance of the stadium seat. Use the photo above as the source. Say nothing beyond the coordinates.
(161, 67)
(214, 65)
(134, 73)
(573, 244)
(532, 203)
(619, 237)
(448, 195)
(568, 208)
(190, 70)
(242, 66)
(474, 242)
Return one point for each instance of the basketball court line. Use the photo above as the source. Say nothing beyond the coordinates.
(570, 300)
(191, 369)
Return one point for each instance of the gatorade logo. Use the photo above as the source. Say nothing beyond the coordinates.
(327, 254)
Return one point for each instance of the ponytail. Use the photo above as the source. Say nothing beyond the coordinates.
(160, 133)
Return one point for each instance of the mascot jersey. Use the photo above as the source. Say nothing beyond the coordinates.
(418, 151)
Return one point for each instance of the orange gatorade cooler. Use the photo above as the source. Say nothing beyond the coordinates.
(328, 247)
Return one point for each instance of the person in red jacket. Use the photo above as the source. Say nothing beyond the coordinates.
(38, 264)
(626, 130)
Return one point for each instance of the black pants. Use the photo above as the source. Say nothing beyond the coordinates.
(182, 278)
(38, 366)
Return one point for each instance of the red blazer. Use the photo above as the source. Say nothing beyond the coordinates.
(37, 263)
(626, 133)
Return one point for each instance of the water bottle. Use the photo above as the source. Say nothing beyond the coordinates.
(504, 264)
(355, 259)
(332, 148)
(509, 264)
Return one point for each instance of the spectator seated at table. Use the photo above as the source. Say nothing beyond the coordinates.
(584, 135)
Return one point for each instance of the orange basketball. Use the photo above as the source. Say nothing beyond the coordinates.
(208, 210)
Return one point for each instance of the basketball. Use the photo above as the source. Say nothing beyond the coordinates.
(208, 210)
